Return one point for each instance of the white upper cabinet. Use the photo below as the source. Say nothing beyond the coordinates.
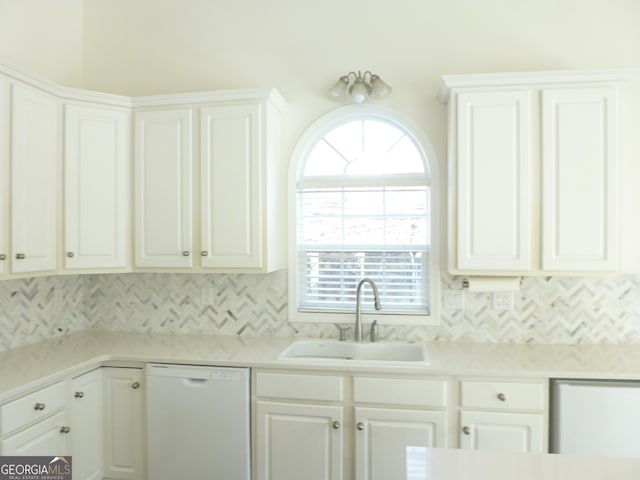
(230, 191)
(5, 155)
(35, 151)
(96, 194)
(533, 172)
(163, 188)
(493, 176)
(234, 192)
(580, 179)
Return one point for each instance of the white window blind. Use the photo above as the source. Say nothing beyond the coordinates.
(345, 234)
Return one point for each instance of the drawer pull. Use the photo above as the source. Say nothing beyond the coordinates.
(79, 394)
(335, 425)
(3, 256)
(135, 385)
(39, 406)
(65, 430)
(360, 426)
(502, 397)
(204, 253)
(186, 253)
(20, 256)
(466, 430)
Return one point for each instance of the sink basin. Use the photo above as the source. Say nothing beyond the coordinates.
(335, 350)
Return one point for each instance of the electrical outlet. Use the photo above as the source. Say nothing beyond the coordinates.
(503, 301)
(206, 296)
(454, 299)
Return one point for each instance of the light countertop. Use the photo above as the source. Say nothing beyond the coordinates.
(26, 368)
(452, 464)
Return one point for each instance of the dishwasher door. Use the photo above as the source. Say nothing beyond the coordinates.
(595, 417)
(198, 422)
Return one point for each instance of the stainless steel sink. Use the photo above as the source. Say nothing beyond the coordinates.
(335, 350)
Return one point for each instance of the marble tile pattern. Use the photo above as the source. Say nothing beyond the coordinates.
(548, 310)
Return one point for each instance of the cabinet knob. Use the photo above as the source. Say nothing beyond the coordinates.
(204, 253)
(360, 426)
(39, 406)
(466, 430)
(65, 429)
(2, 256)
(79, 394)
(135, 385)
(186, 253)
(70, 254)
(502, 397)
(20, 256)
(335, 425)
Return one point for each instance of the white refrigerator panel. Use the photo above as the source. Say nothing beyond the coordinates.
(594, 417)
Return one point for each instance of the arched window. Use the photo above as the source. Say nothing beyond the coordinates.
(361, 207)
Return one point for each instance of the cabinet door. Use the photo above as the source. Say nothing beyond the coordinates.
(163, 189)
(580, 171)
(124, 430)
(5, 152)
(390, 441)
(87, 419)
(34, 170)
(298, 441)
(231, 161)
(506, 432)
(47, 437)
(493, 197)
(96, 187)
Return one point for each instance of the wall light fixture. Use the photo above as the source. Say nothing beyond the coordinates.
(359, 86)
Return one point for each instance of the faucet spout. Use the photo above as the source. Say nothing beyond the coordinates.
(357, 332)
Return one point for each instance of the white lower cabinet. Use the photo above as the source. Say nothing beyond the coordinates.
(36, 424)
(299, 441)
(388, 441)
(314, 426)
(87, 421)
(504, 416)
(43, 438)
(124, 424)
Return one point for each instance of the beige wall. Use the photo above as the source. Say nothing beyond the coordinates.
(44, 36)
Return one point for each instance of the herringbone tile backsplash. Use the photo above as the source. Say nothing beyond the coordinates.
(547, 309)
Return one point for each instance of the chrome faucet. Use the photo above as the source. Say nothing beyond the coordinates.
(357, 333)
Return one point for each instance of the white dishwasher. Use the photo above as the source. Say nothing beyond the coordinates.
(198, 422)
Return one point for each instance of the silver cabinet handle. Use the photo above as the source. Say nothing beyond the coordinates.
(79, 394)
(204, 253)
(70, 254)
(20, 256)
(502, 397)
(186, 253)
(335, 425)
(65, 429)
(2, 256)
(39, 406)
(135, 385)
(466, 430)
(360, 426)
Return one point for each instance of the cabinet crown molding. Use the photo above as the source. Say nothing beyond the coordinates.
(517, 79)
(77, 94)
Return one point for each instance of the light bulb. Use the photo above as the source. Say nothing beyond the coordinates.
(340, 87)
(380, 88)
(359, 91)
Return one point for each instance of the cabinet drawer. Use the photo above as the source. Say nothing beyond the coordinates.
(300, 387)
(502, 395)
(400, 391)
(31, 407)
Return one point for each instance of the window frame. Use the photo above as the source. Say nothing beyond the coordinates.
(307, 141)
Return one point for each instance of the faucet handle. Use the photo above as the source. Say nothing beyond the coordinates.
(343, 332)
(374, 334)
